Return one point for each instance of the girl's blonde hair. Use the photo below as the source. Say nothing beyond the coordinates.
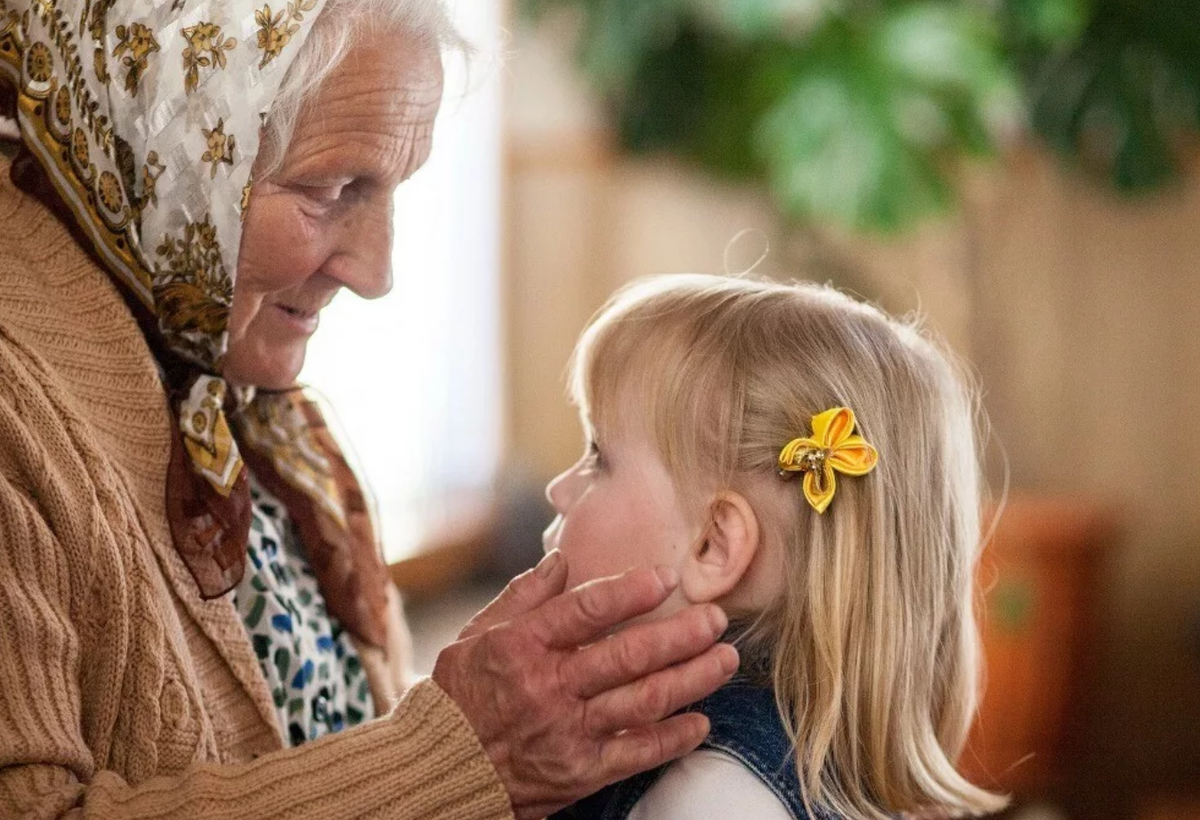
(872, 646)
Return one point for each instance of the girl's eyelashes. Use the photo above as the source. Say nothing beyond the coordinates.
(595, 458)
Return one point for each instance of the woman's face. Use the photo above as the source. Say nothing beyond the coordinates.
(324, 221)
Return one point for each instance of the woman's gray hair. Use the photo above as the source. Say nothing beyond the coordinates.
(333, 34)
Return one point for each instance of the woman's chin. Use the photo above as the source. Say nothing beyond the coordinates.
(267, 370)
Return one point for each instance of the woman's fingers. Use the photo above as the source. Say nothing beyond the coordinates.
(639, 650)
(527, 591)
(519, 682)
(654, 697)
(593, 609)
(646, 747)
(637, 750)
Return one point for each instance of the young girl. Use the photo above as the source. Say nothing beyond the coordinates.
(810, 465)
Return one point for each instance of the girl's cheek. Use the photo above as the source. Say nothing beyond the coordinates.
(574, 546)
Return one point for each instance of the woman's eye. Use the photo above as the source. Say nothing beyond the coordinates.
(325, 195)
(341, 195)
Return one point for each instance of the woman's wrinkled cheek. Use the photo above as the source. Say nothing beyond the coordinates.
(281, 244)
(246, 305)
(252, 283)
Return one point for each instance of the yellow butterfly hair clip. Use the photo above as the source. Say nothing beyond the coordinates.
(832, 446)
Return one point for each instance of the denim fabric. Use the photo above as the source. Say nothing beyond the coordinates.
(746, 725)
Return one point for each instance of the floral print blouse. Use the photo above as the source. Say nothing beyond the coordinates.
(310, 663)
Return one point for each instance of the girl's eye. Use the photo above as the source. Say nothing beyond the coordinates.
(594, 457)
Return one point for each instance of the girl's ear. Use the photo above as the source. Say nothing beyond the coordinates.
(719, 560)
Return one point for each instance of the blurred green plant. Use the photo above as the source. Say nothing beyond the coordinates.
(855, 112)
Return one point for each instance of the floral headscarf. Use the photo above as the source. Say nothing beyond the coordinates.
(139, 122)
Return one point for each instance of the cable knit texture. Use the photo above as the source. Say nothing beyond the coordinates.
(122, 693)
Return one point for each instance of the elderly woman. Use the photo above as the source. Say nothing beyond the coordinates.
(194, 617)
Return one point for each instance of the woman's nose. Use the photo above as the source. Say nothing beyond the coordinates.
(364, 259)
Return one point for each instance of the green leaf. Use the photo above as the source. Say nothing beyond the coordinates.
(1049, 23)
(938, 46)
(763, 18)
(835, 154)
(854, 112)
(617, 33)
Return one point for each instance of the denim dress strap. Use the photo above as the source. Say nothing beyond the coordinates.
(745, 724)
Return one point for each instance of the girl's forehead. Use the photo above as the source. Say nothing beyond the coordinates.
(617, 412)
(606, 427)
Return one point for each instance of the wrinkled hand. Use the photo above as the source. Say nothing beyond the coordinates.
(559, 721)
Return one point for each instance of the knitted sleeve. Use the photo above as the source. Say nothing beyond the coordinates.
(421, 761)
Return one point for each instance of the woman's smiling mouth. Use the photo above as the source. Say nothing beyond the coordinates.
(303, 321)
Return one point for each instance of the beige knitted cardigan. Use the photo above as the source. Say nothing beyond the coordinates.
(122, 693)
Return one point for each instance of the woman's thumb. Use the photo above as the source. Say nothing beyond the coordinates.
(526, 592)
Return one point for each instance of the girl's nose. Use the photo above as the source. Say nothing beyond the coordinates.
(557, 491)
